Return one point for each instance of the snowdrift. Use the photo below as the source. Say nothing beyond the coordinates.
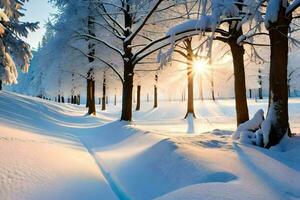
(56, 152)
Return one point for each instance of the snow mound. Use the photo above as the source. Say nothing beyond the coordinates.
(249, 127)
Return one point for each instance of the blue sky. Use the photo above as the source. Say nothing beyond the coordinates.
(37, 10)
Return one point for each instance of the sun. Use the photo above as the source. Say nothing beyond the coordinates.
(200, 66)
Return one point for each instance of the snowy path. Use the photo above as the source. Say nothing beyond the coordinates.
(55, 152)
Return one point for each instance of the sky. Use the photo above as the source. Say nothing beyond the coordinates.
(37, 11)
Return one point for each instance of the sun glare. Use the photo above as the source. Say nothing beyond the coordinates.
(200, 66)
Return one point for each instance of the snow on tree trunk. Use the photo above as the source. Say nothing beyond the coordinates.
(239, 77)
(276, 124)
(138, 98)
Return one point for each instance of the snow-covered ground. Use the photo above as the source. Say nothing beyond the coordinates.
(54, 151)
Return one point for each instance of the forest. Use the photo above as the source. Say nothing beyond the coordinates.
(150, 99)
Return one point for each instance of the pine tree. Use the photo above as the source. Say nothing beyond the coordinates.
(13, 50)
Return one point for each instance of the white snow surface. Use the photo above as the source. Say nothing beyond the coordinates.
(55, 151)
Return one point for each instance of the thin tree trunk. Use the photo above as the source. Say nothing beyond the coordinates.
(88, 94)
(58, 98)
(103, 107)
(155, 97)
(0, 84)
(201, 88)
(138, 99)
(91, 88)
(62, 99)
(260, 94)
(278, 96)
(115, 100)
(212, 85)
(78, 99)
(239, 79)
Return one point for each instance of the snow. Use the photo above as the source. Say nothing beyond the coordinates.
(57, 152)
(251, 125)
(202, 24)
(272, 12)
(293, 6)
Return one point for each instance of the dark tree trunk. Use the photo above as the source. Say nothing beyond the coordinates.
(72, 99)
(155, 97)
(75, 99)
(239, 78)
(260, 93)
(103, 107)
(127, 92)
(278, 95)
(88, 93)
(58, 98)
(115, 100)
(250, 93)
(0, 84)
(62, 99)
(78, 99)
(138, 98)
(91, 88)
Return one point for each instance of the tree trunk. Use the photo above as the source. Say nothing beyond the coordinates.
(127, 92)
(88, 94)
(190, 100)
(155, 97)
(212, 85)
(277, 116)
(201, 88)
(91, 88)
(138, 98)
(0, 84)
(74, 99)
(260, 94)
(103, 106)
(239, 79)
(190, 79)
(78, 99)
(58, 98)
(62, 99)
(115, 100)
